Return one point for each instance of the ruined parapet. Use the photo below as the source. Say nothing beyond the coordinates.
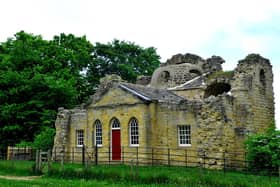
(180, 59)
(62, 125)
(105, 84)
(213, 64)
(253, 91)
(182, 68)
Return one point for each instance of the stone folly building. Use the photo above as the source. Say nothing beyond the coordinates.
(189, 105)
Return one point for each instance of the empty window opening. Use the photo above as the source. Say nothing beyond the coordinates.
(262, 77)
(216, 89)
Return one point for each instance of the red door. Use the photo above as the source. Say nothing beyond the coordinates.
(116, 144)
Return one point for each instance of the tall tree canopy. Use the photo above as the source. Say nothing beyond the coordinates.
(38, 76)
(125, 59)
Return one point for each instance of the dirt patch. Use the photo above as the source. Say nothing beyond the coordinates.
(25, 178)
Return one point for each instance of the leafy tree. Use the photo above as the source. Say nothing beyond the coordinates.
(125, 59)
(33, 84)
(264, 151)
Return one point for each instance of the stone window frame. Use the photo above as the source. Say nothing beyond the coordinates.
(79, 137)
(184, 135)
(98, 133)
(133, 132)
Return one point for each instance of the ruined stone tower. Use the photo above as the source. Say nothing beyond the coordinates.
(253, 92)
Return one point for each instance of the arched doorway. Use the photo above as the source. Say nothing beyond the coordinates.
(116, 139)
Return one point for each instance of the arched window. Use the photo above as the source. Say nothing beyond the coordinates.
(262, 77)
(98, 133)
(134, 132)
(115, 123)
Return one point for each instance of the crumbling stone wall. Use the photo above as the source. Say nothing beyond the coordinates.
(67, 122)
(62, 125)
(254, 106)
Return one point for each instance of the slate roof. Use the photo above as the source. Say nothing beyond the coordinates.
(152, 94)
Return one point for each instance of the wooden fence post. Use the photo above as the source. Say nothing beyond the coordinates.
(8, 153)
(49, 160)
(37, 164)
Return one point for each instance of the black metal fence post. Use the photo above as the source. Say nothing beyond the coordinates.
(137, 156)
(169, 157)
(204, 157)
(96, 155)
(122, 154)
(55, 154)
(224, 162)
(186, 157)
(109, 154)
(152, 156)
(83, 154)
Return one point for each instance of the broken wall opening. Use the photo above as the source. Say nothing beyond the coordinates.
(216, 89)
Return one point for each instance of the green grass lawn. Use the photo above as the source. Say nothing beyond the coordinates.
(116, 176)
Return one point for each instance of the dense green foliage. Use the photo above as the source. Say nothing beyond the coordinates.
(37, 76)
(125, 59)
(116, 175)
(264, 151)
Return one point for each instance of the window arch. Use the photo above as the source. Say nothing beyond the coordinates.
(134, 132)
(98, 133)
(115, 123)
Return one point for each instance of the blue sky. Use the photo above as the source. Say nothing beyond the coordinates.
(230, 29)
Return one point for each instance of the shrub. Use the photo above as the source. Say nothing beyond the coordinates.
(264, 151)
